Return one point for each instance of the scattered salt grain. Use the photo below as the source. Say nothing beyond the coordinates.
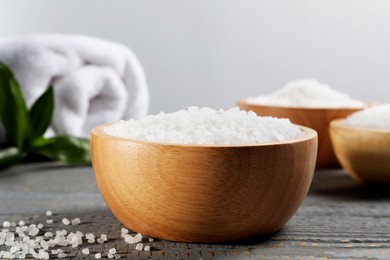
(65, 221)
(307, 93)
(49, 213)
(124, 231)
(151, 239)
(48, 234)
(147, 248)
(206, 126)
(40, 226)
(61, 255)
(117, 256)
(49, 221)
(33, 232)
(6, 224)
(377, 117)
(112, 251)
(139, 246)
(85, 251)
(76, 221)
(103, 237)
(98, 255)
(21, 223)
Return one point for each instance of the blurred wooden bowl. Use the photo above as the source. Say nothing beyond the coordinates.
(364, 153)
(315, 118)
(199, 193)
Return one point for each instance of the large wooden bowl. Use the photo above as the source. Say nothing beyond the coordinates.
(315, 118)
(363, 153)
(199, 193)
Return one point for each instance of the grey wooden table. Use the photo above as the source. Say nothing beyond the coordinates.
(340, 219)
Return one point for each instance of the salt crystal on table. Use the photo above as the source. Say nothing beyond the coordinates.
(6, 224)
(65, 221)
(49, 213)
(139, 246)
(85, 251)
(98, 255)
(76, 221)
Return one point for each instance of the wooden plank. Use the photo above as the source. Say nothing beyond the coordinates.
(340, 219)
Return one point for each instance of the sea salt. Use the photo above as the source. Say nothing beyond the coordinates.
(376, 117)
(98, 255)
(307, 93)
(65, 221)
(206, 126)
(49, 213)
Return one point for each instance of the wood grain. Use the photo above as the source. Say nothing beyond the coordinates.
(363, 153)
(203, 193)
(315, 118)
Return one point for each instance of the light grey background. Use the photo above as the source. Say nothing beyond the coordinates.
(210, 53)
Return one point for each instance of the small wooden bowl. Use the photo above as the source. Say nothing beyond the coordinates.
(364, 153)
(199, 193)
(315, 118)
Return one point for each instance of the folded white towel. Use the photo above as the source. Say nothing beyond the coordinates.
(95, 81)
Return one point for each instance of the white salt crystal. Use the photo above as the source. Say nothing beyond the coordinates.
(103, 237)
(85, 251)
(112, 251)
(13, 224)
(21, 223)
(117, 256)
(138, 236)
(48, 234)
(206, 126)
(49, 221)
(98, 255)
(40, 226)
(89, 236)
(65, 221)
(147, 248)
(49, 213)
(151, 239)
(377, 117)
(100, 241)
(139, 246)
(33, 232)
(76, 221)
(61, 255)
(124, 231)
(6, 224)
(307, 93)
(110, 256)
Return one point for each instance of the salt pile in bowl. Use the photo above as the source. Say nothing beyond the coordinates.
(206, 126)
(307, 93)
(375, 117)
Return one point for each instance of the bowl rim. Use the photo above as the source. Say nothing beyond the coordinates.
(244, 101)
(338, 123)
(309, 134)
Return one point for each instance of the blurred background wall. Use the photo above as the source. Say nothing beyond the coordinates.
(210, 53)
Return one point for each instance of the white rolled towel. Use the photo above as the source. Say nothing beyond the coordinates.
(95, 81)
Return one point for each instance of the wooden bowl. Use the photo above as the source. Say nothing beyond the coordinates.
(199, 193)
(364, 153)
(315, 118)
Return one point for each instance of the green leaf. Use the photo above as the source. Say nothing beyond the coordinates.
(41, 113)
(13, 111)
(68, 149)
(10, 156)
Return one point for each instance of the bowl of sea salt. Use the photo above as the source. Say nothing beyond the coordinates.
(362, 144)
(309, 103)
(204, 175)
